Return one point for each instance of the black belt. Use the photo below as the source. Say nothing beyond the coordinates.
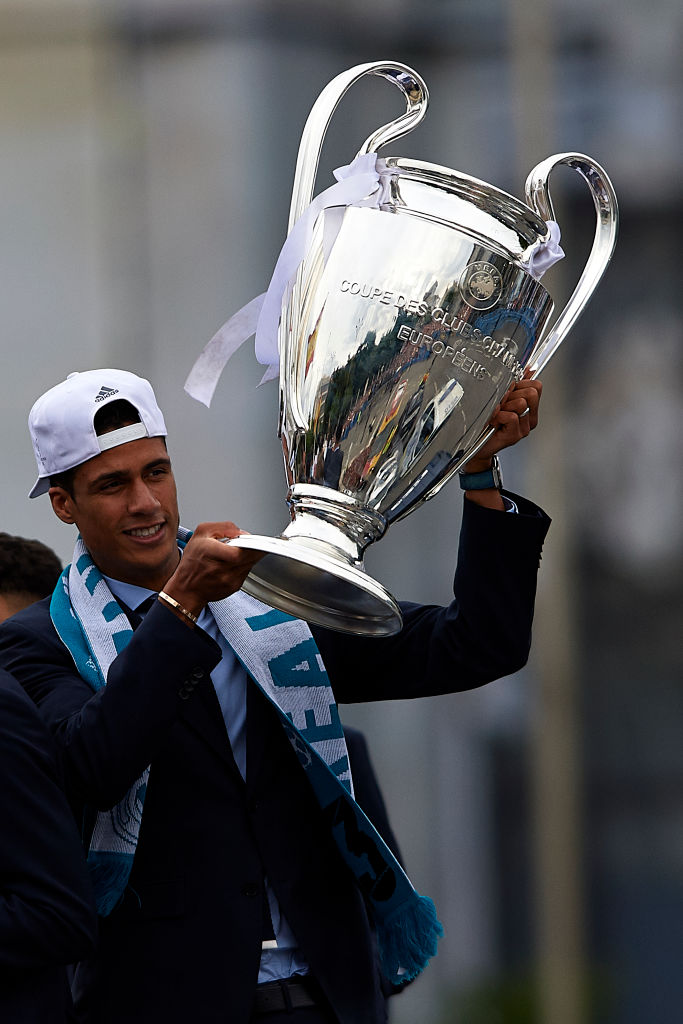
(285, 994)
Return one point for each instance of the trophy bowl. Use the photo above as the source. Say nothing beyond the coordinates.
(401, 331)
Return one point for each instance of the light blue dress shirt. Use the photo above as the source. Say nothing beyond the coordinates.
(229, 679)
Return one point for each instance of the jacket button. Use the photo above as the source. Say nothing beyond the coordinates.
(197, 674)
(185, 691)
(251, 889)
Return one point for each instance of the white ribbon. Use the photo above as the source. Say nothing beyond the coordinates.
(364, 182)
(548, 252)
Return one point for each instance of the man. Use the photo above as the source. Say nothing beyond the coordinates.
(233, 870)
(28, 572)
(47, 914)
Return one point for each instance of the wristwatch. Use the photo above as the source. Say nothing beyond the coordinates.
(492, 477)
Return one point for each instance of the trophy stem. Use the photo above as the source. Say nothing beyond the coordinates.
(327, 515)
(315, 570)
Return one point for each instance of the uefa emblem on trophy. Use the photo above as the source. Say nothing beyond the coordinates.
(405, 302)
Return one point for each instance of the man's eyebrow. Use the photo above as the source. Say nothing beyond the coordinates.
(122, 474)
(115, 474)
(163, 460)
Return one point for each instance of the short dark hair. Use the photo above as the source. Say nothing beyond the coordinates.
(112, 416)
(27, 567)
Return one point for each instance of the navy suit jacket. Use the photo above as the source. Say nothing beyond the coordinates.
(47, 914)
(184, 944)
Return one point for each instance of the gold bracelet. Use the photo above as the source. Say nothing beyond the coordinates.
(178, 607)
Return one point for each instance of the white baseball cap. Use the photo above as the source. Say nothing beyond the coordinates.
(61, 421)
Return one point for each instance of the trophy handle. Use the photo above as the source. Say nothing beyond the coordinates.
(416, 96)
(538, 197)
(605, 201)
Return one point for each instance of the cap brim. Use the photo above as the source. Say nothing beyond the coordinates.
(41, 486)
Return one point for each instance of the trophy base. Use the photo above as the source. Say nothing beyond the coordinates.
(300, 577)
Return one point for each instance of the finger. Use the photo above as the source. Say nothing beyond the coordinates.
(525, 385)
(532, 396)
(248, 554)
(507, 425)
(525, 400)
(517, 403)
(533, 399)
(517, 427)
(243, 559)
(217, 530)
(520, 409)
(227, 529)
(531, 389)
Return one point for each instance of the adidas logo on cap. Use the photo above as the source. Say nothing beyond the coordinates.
(106, 393)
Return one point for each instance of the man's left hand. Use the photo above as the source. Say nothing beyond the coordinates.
(513, 419)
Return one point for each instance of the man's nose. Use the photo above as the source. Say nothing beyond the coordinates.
(142, 498)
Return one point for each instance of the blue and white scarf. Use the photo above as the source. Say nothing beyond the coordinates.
(281, 657)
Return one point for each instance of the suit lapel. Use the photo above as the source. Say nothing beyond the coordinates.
(202, 713)
(264, 733)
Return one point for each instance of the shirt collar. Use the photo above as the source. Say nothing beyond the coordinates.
(129, 593)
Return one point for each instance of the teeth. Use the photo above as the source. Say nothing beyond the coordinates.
(145, 531)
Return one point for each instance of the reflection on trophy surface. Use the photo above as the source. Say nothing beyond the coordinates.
(404, 326)
(408, 389)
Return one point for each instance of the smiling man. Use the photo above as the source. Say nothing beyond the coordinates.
(236, 880)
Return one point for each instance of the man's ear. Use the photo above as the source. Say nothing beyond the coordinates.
(63, 504)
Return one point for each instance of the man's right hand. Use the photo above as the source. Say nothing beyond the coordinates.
(210, 569)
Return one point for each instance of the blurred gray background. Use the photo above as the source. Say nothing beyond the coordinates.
(148, 150)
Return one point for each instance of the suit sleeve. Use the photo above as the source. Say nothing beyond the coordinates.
(47, 913)
(106, 739)
(484, 634)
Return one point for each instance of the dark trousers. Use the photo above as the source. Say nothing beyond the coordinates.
(296, 1000)
(301, 1015)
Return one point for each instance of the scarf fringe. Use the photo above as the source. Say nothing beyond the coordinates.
(408, 940)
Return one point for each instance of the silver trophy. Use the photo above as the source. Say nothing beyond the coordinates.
(397, 341)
